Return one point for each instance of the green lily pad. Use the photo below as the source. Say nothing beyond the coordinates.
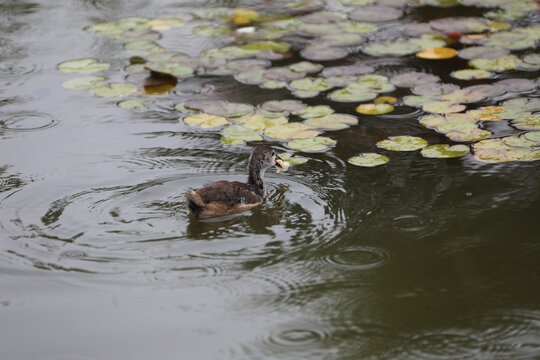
(238, 135)
(368, 160)
(283, 74)
(291, 131)
(529, 122)
(532, 59)
(470, 74)
(389, 48)
(444, 151)
(283, 105)
(315, 144)
(293, 159)
(533, 136)
(468, 134)
(340, 81)
(402, 143)
(351, 94)
(304, 94)
(443, 107)
(272, 84)
(305, 66)
(482, 52)
(165, 23)
(374, 109)
(375, 13)
(508, 62)
(457, 127)
(434, 89)
(464, 96)
(332, 122)
(84, 83)
(133, 23)
(249, 49)
(356, 69)
(385, 100)
(519, 142)
(323, 53)
(357, 27)
(356, 2)
(413, 79)
(211, 30)
(309, 84)
(220, 107)
(132, 104)
(497, 151)
(314, 111)
(83, 66)
(137, 35)
(251, 77)
(205, 120)
(144, 46)
(419, 101)
(340, 39)
(512, 40)
(487, 113)
(259, 122)
(105, 28)
(517, 85)
(114, 90)
(173, 69)
(522, 104)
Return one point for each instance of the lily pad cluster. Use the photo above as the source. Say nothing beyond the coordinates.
(257, 47)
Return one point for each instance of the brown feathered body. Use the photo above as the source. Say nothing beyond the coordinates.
(230, 197)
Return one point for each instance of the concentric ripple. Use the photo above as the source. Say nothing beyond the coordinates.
(361, 258)
(27, 122)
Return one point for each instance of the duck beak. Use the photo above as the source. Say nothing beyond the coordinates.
(279, 162)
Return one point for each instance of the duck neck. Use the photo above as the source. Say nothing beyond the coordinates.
(256, 179)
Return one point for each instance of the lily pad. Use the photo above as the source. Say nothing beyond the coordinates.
(314, 111)
(351, 94)
(165, 24)
(440, 53)
(356, 69)
(305, 66)
(517, 85)
(464, 96)
(412, 79)
(368, 160)
(291, 131)
(486, 113)
(402, 143)
(497, 151)
(114, 90)
(283, 105)
(522, 104)
(205, 120)
(391, 48)
(444, 151)
(84, 83)
(310, 84)
(132, 104)
(304, 94)
(283, 74)
(375, 13)
(461, 25)
(533, 59)
(489, 89)
(259, 122)
(211, 30)
(385, 100)
(434, 89)
(220, 107)
(470, 74)
(374, 109)
(508, 62)
(482, 52)
(172, 69)
(443, 107)
(332, 122)
(251, 77)
(315, 144)
(144, 46)
(83, 66)
(529, 122)
(293, 159)
(341, 39)
(238, 135)
(323, 53)
(419, 101)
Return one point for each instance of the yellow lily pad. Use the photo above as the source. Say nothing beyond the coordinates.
(440, 53)
(205, 120)
(291, 131)
(374, 109)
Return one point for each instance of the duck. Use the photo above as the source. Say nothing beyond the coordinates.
(224, 198)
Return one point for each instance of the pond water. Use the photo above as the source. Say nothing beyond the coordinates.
(419, 258)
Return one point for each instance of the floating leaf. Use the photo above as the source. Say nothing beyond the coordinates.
(350, 94)
(304, 94)
(533, 59)
(444, 151)
(356, 69)
(114, 90)
(293, 159)
(309, 84)
(243, 16)
(522, 104)
(238, 135)
(375, 13)
(486, 113)
(340, 39)
(529, 122)
(291, 131)
(314, 111)
(144, 46)
(259, 122)
(283, 105)
(251, 77)
(220, 107)
(305, 66)
(83, 66)
(434, 89)
(323, 53)
(533, 136)
(385, 100)
(388, 48)
(497, 151)
(165, 24)
(84, 83)
(172, 69)
(470, 74)
(402, 143)
(439, 53)
(443, 107)
(374, 109)
(315, 144)
(368, 160)
(482, 52)
(518, 85)
(489, 90)
(419, 101)
(412, 79)
(211, 30)
(132, 104)
(332, 122)
(461, 25)
(464, 96)
(502, 63)
(205, 120)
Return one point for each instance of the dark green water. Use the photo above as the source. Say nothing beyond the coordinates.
(417, 259)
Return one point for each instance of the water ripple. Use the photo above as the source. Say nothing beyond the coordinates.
(27, 121)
